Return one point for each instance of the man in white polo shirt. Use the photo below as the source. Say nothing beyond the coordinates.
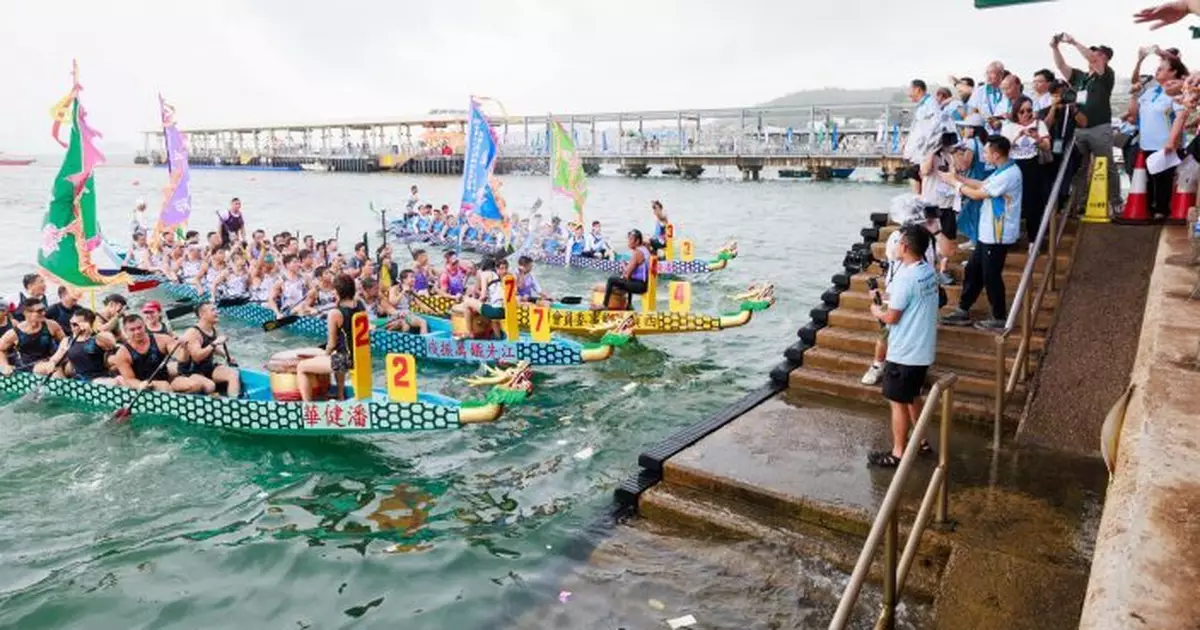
(989, 101)
(924, 132)
(999, 227)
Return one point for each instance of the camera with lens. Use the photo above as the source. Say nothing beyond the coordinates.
(1067, 94)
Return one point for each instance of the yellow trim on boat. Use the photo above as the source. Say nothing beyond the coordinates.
(479, 415)
(598, 353)
(718, 264)
(733, 321)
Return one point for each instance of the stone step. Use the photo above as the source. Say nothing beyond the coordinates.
(1012, 274)
(861, 300)
(949, 356)
(963, 335)
(1071, 230)
(1015, 258)
(971, 408)
(980, 384)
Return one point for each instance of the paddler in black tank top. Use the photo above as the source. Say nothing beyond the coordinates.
(87, 354)
(34, 286)
(203, 343)
(338, 357)
(142, 352)
(33, 341)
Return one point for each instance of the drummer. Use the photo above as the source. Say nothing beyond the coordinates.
(32, 340)
(203, 343)
(659, 240)
(633, 280)
(338, 359)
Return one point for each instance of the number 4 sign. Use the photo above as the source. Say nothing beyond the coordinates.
(681, 297)
(401, 378)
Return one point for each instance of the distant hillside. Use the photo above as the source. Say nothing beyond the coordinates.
(838, 96)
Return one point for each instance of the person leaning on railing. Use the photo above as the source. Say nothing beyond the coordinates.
(999, 226)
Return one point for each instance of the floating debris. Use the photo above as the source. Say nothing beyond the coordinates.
(628, 388)
(563, 596)
(656, 605)
(358, 611)
(585, 454)
(685, 621)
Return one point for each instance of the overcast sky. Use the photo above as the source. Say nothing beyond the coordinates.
(230, 62)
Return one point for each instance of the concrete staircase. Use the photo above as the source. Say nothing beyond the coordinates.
(837, 346)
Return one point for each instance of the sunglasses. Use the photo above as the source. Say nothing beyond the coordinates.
(1025, 111)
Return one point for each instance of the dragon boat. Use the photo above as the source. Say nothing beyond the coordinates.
(611, 266)
(615, 327)
(261, 411)
(438, 345)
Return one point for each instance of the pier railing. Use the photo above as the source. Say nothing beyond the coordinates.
(1026, 304)
(886, 528)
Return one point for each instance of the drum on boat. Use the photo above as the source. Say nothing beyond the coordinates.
(618, 301)
(477, 328)
(282, 372)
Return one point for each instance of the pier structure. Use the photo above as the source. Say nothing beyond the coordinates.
(817, 141)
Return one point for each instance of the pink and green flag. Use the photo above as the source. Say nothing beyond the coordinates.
(566, 171)
(70, 231)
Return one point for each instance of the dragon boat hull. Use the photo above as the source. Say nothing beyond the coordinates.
(438, 345)
(256, 412)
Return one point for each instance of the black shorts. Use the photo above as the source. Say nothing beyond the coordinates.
(949, 220)
(340, 361)
(491, 312)
(903, 383)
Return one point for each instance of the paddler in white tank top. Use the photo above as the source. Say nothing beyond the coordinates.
(292, 288)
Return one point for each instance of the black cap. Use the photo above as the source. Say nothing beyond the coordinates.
(1108, 52)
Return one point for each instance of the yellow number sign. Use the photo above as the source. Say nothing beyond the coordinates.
(401, 378)
(512, 329)
(650, 299)
(681, 296)
(669, 249)
(361, 347)
(687, 251)
(539, 323)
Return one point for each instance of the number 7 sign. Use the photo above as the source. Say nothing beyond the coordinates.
(539, 323)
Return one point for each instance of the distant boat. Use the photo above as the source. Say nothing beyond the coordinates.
(318, 167)
(8, 160)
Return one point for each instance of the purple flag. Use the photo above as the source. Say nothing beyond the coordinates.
(177, 199)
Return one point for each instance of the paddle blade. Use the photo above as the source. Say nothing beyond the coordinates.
(121, 415)
(179, 311)
(280, 323)
(571, 299)
(143, 285)
(237, 301)
(136, 271)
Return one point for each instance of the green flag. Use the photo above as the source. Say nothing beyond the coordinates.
(70, 232)
(566, 171)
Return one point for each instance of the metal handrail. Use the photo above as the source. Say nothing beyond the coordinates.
(886, 524)
(1026, 306)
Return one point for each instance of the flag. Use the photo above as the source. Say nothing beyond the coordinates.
(478, 161)
(177, 198)
(70, 231)
(566, 171)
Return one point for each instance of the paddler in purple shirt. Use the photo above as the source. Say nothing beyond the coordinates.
(528, 289)
(454, 277)
(426, 275)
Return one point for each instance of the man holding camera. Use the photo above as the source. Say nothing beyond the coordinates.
(911, 317)
(1093, 117)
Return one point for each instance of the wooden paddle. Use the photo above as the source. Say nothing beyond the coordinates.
(123, 413)
(229, 357)
(142, 285)
(288, 320)
(35, 394)
(136, 271)
(183, 308)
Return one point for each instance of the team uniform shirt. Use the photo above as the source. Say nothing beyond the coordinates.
(926, 123)
(892, 251)
(912, 341)
(1000, 218)
(1156, 114)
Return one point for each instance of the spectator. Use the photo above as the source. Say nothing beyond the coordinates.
(924, 130)
(948, 106)
(939, 195)
(1060, 121)
(1042, 81)
(971, 149)
(999, 225)
(911, 317)
(1166, 13)
(1093, 96)
(1013, 89)
(990, 101)
(1030, 140)
(963, 88)
(1160, 127)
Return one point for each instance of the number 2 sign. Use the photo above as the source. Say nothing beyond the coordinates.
(361, 379)
(402, 378)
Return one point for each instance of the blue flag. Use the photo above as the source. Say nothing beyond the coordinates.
(478, 161)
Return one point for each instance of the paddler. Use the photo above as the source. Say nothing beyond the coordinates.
(425, 276)
(633, 280)
(109, 317)
(32, 340)
(233, 225)
(138, 357)
(152, 314)
(86, 351)
(61, 311)
(577, 240)
(291, 290)
(321, 296)
(338, 359)
(594, 245)
(490, 303)
(203, 343)
(528, 289)
(389, 271)
(454, 278)
(400, 298)
(139, 252)
(34, 287)
(372, 299)
(659, 240)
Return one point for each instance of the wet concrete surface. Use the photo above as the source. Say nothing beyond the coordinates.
(1147, 563)
(644, 574)
(1093, 345)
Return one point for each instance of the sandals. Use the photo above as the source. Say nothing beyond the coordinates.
(926, 450)
(883, 459)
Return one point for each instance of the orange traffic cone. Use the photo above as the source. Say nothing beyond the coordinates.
(1183, 198)
(1137, 204)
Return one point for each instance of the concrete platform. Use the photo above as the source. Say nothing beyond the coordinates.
(1146, 571)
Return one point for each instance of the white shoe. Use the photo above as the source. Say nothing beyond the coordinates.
(873, 374)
